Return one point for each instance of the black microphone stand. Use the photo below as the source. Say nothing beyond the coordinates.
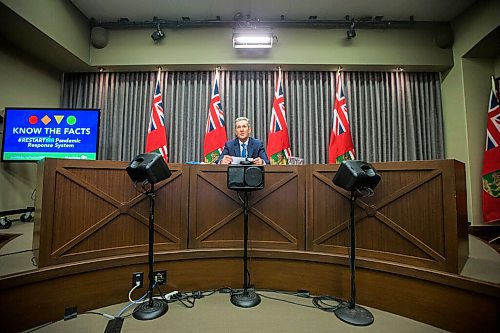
(248, 298)
(154, 308)
(353, 314)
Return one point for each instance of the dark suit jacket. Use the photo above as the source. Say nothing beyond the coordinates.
(255, 149)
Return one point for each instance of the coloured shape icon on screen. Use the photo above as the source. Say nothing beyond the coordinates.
(71, 120)
(33, 120)
(46, 119)
(58, 119)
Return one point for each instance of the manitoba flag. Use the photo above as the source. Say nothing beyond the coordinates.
(278, 144)
(215, 132)
(156, 139)
(491, 161)
(341, 147)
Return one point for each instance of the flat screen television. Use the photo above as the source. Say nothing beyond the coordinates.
(30, 134)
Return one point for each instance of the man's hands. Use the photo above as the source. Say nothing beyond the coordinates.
(258, 161)
(228, 160)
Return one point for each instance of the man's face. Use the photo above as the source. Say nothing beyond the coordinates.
(242, 130)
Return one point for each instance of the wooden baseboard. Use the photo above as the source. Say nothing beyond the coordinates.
(440, 299)
(488, 233)
(5, 238)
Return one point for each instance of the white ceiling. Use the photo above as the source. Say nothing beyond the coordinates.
(145, 10)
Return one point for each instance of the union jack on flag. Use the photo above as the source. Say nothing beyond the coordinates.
(493, 127)
(215, 131)
(156, 139)
(491, 161)
(340, 113)
(341, 147)
(278, 143)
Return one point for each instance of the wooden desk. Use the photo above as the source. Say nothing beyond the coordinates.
(90, 209)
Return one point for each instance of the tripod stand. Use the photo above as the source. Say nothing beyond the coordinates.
(153, 308)
(248, 298)
(354, 314)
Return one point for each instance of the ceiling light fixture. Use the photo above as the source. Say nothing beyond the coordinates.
(253, 38)
(157, 35)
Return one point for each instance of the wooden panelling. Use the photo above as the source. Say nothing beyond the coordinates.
(276, 217)
(92, 209)
(5, 238)
(440, 299)
(417, 215)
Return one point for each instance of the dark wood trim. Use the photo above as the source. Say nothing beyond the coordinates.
(440, 299)
(6, 237)
(488, 233)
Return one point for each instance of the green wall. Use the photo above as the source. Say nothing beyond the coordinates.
(23, 82)
(59, 20)
(304, 47)
(465, 91)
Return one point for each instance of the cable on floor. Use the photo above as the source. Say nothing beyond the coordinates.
(320, 303)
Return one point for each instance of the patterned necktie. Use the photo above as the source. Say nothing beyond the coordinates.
(243, 150)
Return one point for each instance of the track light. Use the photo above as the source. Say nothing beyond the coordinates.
(157, 35)
(351, 33)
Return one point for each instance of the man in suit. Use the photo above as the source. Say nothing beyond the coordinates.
(243, 145)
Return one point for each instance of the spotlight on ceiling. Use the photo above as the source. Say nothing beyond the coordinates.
(254, 38)
(157, 35)
(351, 33)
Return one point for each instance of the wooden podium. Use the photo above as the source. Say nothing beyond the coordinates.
(90, 209)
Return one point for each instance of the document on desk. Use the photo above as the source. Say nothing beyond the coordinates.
(237, 160)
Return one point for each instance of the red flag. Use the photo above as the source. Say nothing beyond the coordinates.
(215, 132)
(341, 147)
(156, 139)
(278, 144)
(491, 161)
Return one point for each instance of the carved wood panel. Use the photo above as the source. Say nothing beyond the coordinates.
(417, 216)
(276, 216)
(414, 206)
(97, 211)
